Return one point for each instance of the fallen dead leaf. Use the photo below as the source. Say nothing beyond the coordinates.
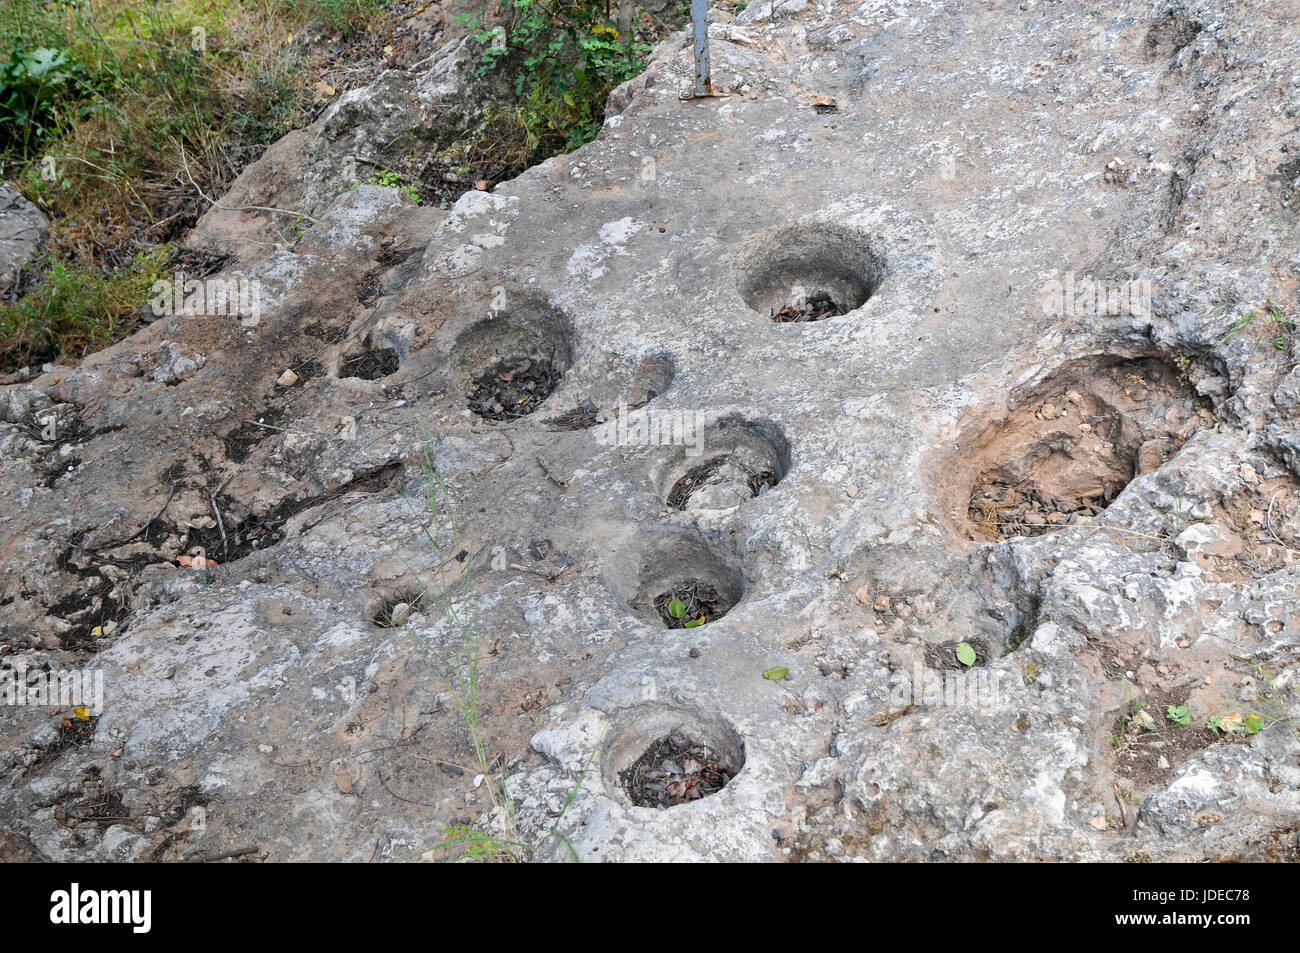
(194, 562)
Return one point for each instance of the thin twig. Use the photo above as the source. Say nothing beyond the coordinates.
(221, 855)
(1268, 522)
(551, 577)
(237, 208)
(384, 783)
(221, 525)
(147, 523)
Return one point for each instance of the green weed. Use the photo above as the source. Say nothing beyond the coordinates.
(76, 309)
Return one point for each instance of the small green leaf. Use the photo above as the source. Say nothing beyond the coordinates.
(776, 674)
(1178, 714)
(693, 623)
(1254, 724)
(965, 654)
(677, 608)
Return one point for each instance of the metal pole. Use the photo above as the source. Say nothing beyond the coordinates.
(700, 20)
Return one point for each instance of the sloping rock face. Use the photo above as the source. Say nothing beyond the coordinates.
(1056, 422)
(23, 227)
(365, 131)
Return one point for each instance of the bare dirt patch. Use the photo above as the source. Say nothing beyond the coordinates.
(244, 439)
(944, 657)
(1265, 519)
(1146, 756)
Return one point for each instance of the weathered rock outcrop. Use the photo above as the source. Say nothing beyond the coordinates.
(23, 228)
(1097, 493)
(357, 137)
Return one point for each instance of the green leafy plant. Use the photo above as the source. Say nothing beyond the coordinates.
(77, 308)
(31, 84)
(118, 118)
(340, 14)
(566, 56)
(1282, 326)
(480, 847)
(1241, 322)
(389, 179)
(1132, 711)
(1178, 714)
(1274, 700)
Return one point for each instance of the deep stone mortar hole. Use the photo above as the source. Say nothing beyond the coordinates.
(509, 364)
(810, 272)
(1072, 443)
(673, 770)
(737, 461)
(683, 583)
(661, 757)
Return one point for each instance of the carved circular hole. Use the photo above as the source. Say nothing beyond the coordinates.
(391, 612)
(507, 365)
(736, 460)
(703, 752)
(810, 272)
(683, 583)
